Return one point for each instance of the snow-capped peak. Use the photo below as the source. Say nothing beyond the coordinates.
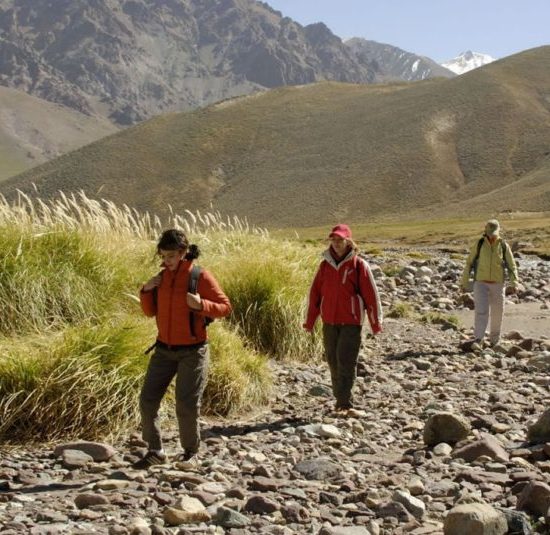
(467, 61)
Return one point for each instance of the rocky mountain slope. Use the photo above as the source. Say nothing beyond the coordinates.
(393, 63)
(305, 156)
(128, 60)
(438, 437)
(132, 59)
(33, 131)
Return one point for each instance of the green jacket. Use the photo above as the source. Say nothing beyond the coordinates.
(490, 264)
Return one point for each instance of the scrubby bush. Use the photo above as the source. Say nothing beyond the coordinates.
(401, 309)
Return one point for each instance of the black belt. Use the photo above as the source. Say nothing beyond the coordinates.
(169, 347)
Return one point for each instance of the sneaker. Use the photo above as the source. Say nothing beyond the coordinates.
(151, 458)
(187, 460)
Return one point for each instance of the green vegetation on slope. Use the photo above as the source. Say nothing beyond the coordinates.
(450, 234)
(303, 156)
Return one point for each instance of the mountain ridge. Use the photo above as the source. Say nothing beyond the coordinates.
(129, 60)
(393, 63)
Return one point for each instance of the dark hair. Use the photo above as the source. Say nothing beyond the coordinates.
(173, 239)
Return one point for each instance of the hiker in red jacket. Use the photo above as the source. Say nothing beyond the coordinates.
(181, 348)
(342, 291)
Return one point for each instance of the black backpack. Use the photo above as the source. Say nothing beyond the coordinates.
(192, 288)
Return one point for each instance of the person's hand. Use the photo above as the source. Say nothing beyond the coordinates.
(194, 301)
(153, 282)
(307, 329)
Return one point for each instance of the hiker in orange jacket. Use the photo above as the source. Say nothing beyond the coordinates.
(342, 291)
(181, 348)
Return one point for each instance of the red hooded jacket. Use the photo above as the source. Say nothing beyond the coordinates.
(172, 311)
(341, 293)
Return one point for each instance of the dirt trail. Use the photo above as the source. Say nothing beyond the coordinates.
(528, 318)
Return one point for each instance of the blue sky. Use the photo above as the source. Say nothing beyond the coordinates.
(439, 29)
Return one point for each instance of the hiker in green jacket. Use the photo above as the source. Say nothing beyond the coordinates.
(488, 263)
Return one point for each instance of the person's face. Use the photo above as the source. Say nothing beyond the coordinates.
(171, 258)
(339, 244)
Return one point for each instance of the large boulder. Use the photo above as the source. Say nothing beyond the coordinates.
(535, 498)
(319, 469)
(475, 519)
(488, 446)
(540, 431)
(445, 427)
(98, 451)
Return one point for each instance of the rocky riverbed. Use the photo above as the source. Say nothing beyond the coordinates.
(439, 442)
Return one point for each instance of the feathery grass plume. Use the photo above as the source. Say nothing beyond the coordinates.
(239, 377)
(60, 276)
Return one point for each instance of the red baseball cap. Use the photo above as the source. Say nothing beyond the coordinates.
(341, 230)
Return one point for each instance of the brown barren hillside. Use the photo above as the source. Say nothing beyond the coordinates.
(33, 130)
(304, 156)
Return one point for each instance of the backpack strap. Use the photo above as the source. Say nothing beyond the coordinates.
(194, 279)
(476, 258)
(192, 289)
(155, 289)
(505, 248)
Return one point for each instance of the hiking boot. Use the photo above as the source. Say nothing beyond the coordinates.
(151, 458)
(471, 345)
(341, 409)
(187, 460)
(355, 413)
(343, 406)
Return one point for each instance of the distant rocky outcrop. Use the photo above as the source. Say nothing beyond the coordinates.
(129, 60)
(392, 63)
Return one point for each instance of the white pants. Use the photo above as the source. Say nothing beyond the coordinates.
(488, 297)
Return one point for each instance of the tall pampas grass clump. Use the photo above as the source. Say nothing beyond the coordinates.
(72, 335)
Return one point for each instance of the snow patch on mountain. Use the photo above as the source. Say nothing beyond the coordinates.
(467, 61)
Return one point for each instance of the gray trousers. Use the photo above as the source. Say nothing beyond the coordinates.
(342, 344)
(190, 365)
(488, 298)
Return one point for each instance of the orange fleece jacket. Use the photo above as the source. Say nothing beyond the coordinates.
(171, 310)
